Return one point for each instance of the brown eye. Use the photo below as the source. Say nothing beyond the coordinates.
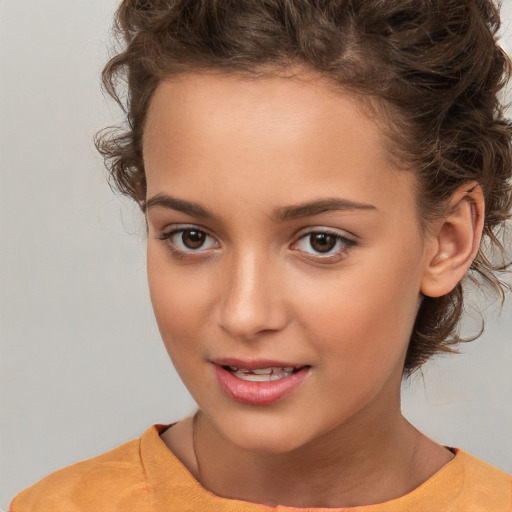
(322, 242)
(187, 241)
(326, 246)
(193, 239)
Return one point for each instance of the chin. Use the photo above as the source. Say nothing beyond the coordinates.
(270, 434)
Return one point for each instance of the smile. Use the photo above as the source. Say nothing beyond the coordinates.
(259, 386)
(261, 374)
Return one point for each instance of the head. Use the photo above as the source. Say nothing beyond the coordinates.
(279, 229)
(239, 114)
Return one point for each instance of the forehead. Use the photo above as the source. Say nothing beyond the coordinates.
(252, 91)
(273, 105)
(296, 135)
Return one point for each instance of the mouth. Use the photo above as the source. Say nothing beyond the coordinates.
(259, 382)
(271, 373)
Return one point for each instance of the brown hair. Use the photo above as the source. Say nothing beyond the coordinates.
(433, 67)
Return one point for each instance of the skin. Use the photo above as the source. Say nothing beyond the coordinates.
(256, 289)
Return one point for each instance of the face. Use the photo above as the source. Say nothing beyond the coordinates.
(280, 235)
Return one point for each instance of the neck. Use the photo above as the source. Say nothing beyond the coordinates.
(352, 465)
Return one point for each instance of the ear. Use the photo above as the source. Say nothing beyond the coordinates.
(454, 241)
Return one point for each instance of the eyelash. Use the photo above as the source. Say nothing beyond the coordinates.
(347, 243)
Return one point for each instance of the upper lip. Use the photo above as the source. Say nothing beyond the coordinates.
(254, 364)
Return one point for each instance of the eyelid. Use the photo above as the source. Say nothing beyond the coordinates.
(175, 228)
(328, 230)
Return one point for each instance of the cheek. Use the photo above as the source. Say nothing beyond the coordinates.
(365, 315)
(178, 297)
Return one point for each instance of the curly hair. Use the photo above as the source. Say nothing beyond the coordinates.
(433, 67)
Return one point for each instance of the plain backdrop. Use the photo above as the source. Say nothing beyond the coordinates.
(82, 366)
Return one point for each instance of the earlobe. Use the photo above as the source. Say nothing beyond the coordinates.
(454, 241)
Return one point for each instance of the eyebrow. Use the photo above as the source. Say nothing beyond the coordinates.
(281, 214)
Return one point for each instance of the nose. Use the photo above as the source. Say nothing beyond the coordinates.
(252, 299)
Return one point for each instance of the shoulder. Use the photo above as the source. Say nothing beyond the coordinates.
(115, 479)
(485, 487)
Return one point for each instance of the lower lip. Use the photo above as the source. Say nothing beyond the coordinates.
(258, 393)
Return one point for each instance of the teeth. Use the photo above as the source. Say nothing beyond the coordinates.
(262, 371)
(253, 377)
(263, 374)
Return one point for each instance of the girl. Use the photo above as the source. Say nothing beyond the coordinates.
(318, 179)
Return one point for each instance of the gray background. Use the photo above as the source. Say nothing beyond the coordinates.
(82, 367)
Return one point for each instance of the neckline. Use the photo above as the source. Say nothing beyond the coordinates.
(160, 463)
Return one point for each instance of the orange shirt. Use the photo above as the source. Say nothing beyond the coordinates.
(143, 475)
